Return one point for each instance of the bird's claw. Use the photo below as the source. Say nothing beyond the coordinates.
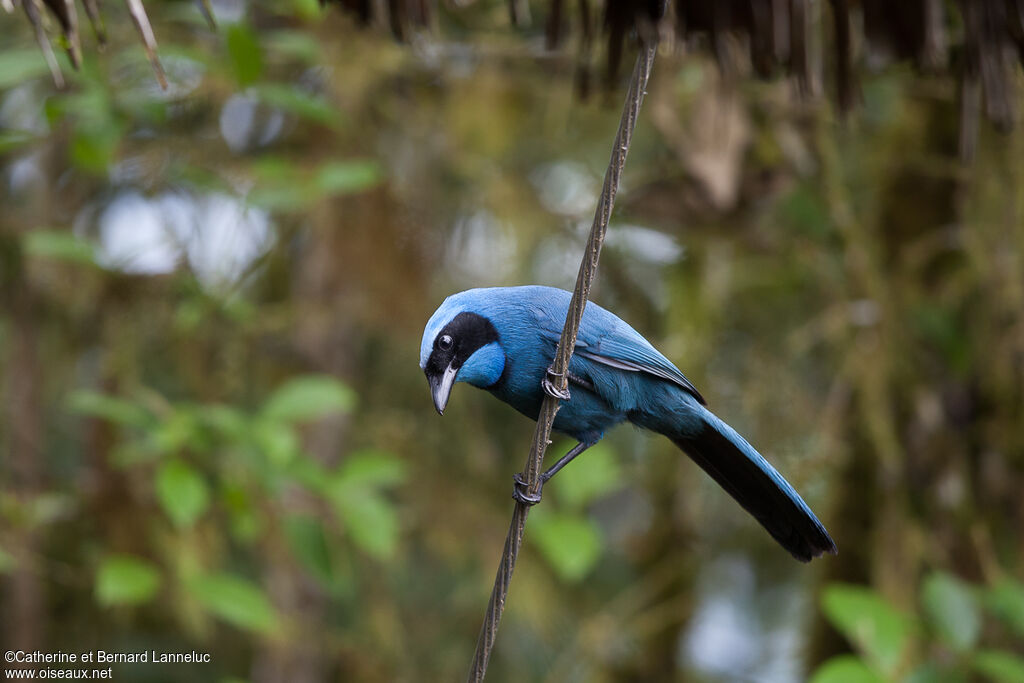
(520, 491)
(549, 387)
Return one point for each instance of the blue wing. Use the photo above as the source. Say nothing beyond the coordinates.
(633, 357)
(607, 339)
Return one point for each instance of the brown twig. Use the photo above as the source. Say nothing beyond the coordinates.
(588, 269)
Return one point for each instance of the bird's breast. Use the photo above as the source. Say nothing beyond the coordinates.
(585, 416)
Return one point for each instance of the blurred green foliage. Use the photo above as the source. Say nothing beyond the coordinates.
(235, 600)
(265, 446)
(940, 642)
(126, 580)
(567, 538)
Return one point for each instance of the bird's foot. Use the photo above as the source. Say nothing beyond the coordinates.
(520, 491)
(549, 387)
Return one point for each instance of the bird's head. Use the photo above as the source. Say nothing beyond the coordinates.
(459, 345)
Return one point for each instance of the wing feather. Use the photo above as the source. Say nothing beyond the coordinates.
(607, 339)
(633, 359)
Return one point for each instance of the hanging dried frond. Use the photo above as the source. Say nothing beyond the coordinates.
(207, 12)
(65, 14)
(35, 18)
(777, 37)
(92, 10)
(141, 22)
(69, 26)
(976, 40)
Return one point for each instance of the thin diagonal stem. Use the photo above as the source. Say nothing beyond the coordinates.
(541, 436)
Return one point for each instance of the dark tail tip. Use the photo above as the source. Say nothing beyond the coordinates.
(758, 487)
(809, 545)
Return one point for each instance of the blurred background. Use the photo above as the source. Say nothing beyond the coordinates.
(214, 434)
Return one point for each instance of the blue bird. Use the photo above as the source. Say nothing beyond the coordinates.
(503, 339)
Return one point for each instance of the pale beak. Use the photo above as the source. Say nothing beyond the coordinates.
(441, 387)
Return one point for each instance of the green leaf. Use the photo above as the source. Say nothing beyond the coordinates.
(369, 518)
(178, 430)
(1006, 601)
(93, 147)
(570, 543)
(245, 523)
(342, 177)
(309, 398)
(845, 669)
(292, 43)
(245, 53)
(310, 106)
(311, 474)
(309, 543)
(952, 610)
(110, 408)
(59, 245)
(182, 493)
(878, 630)
(307, 10)
(593, 474)
(276, 168)
(227, 421)
(284, 197)
(11, 140)
(277, 441)
(236, 600)
(371, 468)
(999, 666)
(932, 672)
(282, 185)
(18, 66)
(126, 580)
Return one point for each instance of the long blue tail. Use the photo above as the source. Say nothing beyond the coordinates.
(749, 478)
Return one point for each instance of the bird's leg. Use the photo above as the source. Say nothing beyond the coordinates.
(565, 460)
(519, 489)
(549, 387)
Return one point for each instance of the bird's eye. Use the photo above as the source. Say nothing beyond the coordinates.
(445, 342)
